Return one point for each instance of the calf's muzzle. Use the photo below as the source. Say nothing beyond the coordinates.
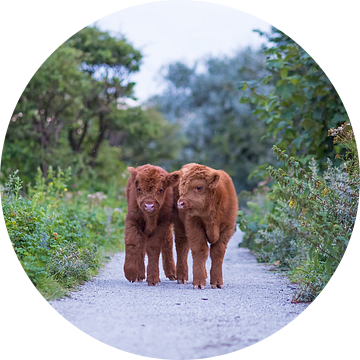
(181, 205)
(149, 207)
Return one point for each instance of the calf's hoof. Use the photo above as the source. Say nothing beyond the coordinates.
(153, 283)
(131, 275)
(201, 287)
(216, 286)
(172, 277)
(181, 281)
(138, 280)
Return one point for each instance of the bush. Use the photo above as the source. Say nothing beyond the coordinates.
(313, 216)
(302, 104)
(252, 216)
(60, 238)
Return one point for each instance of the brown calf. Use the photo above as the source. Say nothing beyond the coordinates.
(207, 209)
(148, 223)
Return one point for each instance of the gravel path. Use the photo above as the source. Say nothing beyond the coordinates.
(173, 321)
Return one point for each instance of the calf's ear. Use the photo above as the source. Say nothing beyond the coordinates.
(172, 179)
(132, 172)
(214, 178)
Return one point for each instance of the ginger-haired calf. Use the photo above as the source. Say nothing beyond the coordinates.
(148, 223)
(205, 211)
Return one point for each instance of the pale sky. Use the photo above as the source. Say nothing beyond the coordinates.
(180, 30)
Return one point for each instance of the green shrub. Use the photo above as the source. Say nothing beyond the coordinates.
(59, 238)
(313, 215)
(302, 104)
(252, 216)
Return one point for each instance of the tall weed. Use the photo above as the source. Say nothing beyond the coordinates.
(312, 217)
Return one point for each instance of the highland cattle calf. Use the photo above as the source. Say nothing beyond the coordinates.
(207, 209)
(148, 223)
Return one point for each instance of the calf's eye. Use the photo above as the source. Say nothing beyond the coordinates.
(138, 189)
(199, 188)
(160, 191)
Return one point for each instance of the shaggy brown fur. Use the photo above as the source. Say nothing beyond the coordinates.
(205, 210)
(148, 223)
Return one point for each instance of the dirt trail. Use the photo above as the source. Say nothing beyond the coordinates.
(173, 321)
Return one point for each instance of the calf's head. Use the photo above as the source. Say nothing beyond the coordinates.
(150, 187)
(196, 187)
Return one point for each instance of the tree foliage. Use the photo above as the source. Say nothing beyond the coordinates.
(44, 109)
(303, 103)
(303, 214)
(204, 101)
(109, 62)
(74, 113)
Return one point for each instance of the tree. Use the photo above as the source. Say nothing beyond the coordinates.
(219, 132)
(109, 62)
(45, 108)
(303, 103)
(73, 113)
(150, 139)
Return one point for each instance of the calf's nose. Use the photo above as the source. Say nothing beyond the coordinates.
(149, 207)
(180, 204)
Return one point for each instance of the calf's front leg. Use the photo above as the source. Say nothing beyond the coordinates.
(167, 255)
(217, 253)
(134, 247)
(199, 250)
(182, 250)
(153, 247)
